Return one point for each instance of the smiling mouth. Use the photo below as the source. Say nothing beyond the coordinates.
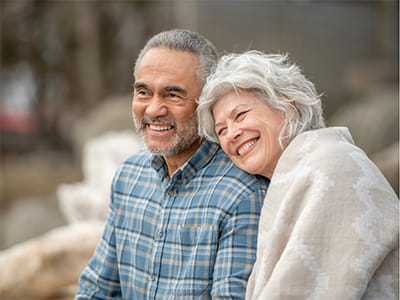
(160, 127)
(246, 146)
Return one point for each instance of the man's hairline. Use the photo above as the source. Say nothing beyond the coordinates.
(198, 71)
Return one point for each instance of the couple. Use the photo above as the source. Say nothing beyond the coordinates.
(186, 223)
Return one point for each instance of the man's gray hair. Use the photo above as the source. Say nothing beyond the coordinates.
(184, 40)
(271, 78)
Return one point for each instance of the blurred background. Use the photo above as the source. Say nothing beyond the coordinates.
(66, 75)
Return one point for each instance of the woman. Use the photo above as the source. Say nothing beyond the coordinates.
(329, 225)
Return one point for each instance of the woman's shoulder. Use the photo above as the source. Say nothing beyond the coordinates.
(324, 146)
(331, 152)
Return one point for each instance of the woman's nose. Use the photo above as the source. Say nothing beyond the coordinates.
(234, 132)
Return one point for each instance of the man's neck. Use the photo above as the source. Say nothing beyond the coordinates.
(176, 161)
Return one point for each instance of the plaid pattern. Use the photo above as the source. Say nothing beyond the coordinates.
(191, 236)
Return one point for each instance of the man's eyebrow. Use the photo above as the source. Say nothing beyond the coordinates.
(139, 85)
(174, 88)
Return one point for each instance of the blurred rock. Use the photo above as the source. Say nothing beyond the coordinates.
(373, 119)
(360, 78)
(48, 266)
(29, 217)
(387, 161)
(35, 176)
(79, 202)
(114, 114)
(88, 200)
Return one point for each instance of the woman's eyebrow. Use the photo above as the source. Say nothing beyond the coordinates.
(218, 124)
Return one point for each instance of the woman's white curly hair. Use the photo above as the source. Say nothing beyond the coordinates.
(272, 78)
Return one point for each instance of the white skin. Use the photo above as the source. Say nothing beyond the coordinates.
(165, 89)
(248, 131)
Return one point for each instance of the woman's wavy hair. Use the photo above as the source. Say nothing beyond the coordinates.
(272, 78)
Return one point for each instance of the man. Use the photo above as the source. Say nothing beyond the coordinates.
(183, 220)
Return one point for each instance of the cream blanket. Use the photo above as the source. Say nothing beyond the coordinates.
(329, 225)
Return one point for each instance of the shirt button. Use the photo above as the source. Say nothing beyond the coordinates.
(152, 277)
(170, 193)
(160, 234)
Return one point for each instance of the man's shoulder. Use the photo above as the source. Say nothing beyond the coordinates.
(136, 166)
(138, 161)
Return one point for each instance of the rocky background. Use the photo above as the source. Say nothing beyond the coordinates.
(65, 119)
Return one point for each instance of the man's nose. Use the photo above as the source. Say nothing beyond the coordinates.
(156, 107)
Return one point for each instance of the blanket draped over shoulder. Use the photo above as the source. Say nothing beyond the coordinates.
(329, 225)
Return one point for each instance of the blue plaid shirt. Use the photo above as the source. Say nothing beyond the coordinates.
(191, 236)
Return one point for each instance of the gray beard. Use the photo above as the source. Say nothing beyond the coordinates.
(183, 139)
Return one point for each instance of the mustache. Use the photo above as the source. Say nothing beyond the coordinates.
(164, 120)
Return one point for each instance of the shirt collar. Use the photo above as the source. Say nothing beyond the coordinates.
(197, 161)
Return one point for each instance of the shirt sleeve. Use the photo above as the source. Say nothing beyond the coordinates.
(100, 279)
(237, 248)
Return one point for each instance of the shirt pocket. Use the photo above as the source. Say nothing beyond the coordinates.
(198, 249)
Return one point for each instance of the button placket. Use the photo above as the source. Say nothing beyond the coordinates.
(160, 236)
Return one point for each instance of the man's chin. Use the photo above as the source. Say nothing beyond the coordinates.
(159, 150)
(171, 146)
(170, 150)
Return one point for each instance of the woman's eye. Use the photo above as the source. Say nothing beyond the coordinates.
(240, 115)
(220, 131)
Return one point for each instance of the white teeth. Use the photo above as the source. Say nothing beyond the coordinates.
(246, 146)
(159, 127)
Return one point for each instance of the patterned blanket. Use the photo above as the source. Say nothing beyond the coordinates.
(329, 228)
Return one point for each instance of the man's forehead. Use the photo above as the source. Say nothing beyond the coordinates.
(163, 69)
(163, 58)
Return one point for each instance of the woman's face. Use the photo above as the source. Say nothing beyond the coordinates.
(248, 130)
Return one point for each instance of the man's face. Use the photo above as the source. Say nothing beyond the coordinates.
(165, 90)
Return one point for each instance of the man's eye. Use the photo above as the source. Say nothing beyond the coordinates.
(173, 96)
(141, 94)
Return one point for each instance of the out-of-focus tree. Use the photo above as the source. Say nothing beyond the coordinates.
(73, 54)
